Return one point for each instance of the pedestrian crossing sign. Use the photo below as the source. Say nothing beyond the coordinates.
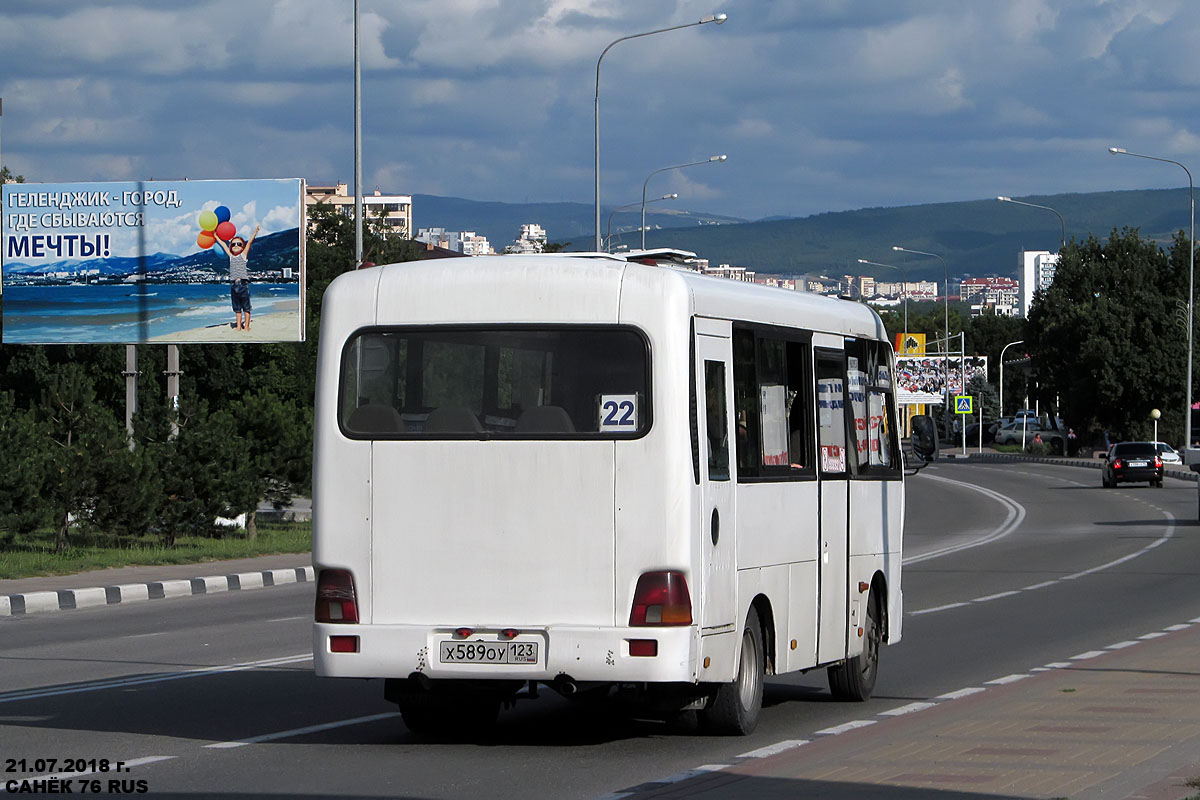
(963, 404)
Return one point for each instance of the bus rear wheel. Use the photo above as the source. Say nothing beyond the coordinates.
(854, 678)
(734, 707)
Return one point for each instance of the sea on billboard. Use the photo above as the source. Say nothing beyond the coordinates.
(153, 261)
(923, 379)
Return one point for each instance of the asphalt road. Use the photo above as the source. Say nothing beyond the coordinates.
(1008, 566)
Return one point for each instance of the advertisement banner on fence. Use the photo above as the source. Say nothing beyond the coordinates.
(923, 379)
(176, 262)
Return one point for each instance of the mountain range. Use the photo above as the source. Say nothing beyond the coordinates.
(976, 237)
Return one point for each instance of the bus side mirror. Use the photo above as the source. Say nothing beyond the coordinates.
(924, 439)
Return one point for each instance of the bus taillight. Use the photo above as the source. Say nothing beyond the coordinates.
(336, 601)
(661, 598)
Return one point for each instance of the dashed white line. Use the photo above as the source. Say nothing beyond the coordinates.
(270, 737)
(908, 709)
(1121, 645)
(1006, 679)
(95, 686)
(1087, 655)
(846, 726)
(772, 749)
(996, 596)
(960, 693)
(136, 762)
(1154, 635)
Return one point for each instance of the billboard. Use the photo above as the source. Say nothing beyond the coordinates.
(923, 379)
(144, 262)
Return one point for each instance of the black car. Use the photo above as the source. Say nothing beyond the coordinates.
(1132, 461)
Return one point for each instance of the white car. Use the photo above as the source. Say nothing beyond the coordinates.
(1168, 454)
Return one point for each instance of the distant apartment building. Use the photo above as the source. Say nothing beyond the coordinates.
(1036, 271)
(466, 242)
(393, 211)
(1000, 296)
(531, 239)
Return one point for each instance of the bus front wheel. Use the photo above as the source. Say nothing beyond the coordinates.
(854, 678)
(734, 707)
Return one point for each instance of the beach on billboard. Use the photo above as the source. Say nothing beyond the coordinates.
(161, 261)
(278, 326)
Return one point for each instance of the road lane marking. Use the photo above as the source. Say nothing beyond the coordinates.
(136, 762)
(1167, 535)
(772, 749)
(960, 693)
(328, 726)
(114, 683)
(1006, 679)
(846, 726)
(1014, 517)
(908, 709)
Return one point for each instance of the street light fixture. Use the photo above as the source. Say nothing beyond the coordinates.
(1002, 349)
(717, 18)
(1187, 413)
(1154, 415)
(709, 160)
(903, 288)
(945, 341)
(1063, 222)
(608, 237)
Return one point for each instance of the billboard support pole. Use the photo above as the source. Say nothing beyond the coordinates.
(173, 372)
(130, 373)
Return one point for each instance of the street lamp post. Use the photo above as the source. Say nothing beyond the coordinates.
(709, 160)
(946, 340)
(1154, 415)
(717, 18)
(1187, 412)
(358, 194)
(1002, 349)
(608, 236)
(1061, 221)
(903, 289)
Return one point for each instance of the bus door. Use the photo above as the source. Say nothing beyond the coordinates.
(716, 429)
(833, 568)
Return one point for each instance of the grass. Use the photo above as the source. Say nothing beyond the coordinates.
(35, 556)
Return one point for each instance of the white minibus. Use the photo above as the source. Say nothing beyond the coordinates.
(617, 479)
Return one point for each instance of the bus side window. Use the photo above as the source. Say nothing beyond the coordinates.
(718, 431)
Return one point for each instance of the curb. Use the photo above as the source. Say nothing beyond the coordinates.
(14, 605)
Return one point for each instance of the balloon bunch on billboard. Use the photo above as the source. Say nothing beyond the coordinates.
(215, 225)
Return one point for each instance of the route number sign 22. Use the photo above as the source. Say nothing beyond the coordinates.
(618, 413)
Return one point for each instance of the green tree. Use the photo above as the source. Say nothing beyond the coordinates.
(1104, 340)
(276, 437)
(22, 469)
(8, 177)
(84, 438)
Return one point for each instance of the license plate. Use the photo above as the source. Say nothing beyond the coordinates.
(481, 652)
(1139, 463)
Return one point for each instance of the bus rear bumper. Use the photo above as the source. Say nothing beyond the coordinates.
(582, 653)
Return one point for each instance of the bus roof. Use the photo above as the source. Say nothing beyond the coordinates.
(479, 288)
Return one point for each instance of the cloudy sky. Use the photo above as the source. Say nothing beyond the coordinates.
(821, 105)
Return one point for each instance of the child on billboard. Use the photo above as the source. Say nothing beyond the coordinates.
(238, 250)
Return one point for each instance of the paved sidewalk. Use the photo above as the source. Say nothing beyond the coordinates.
(1122, 722)
(132, 584)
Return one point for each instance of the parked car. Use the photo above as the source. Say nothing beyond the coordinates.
(1127, 462)
(989, 433)
(1012, 432)
(1168, 454)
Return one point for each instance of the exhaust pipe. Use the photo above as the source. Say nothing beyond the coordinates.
(565, 686)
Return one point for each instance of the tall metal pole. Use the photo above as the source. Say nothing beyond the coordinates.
(717, 18)
(358, 195)
(130, 373)
(173, 372)
(903, 291)
(1002, 349)
(611, 214)
(709, 160)
(946, 340)
(1061, 221)
(1187, 412)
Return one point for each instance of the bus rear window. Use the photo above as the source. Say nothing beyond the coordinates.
(505, 382)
